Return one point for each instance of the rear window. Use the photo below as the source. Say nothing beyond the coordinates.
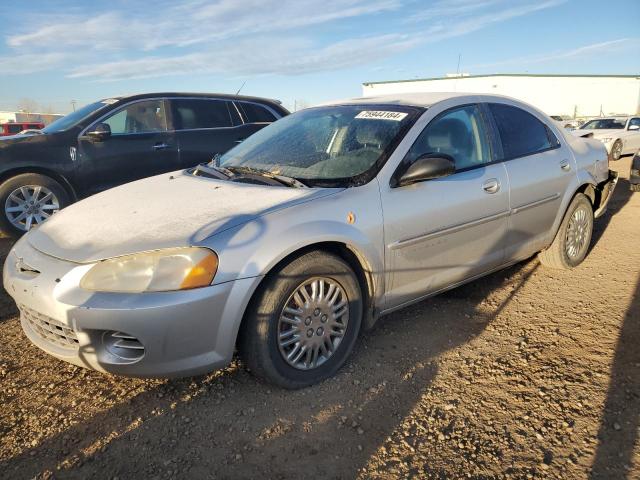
(520, 132)
(254, 113)
(196, 113)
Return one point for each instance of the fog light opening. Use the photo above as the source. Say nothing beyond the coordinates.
(123, 346)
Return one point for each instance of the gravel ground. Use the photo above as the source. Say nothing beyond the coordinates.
(527, 373)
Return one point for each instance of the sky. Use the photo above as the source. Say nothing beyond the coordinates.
(302, 52)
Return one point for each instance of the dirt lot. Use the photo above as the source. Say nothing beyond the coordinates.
(528, 373)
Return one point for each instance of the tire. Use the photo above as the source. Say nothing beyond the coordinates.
(13, 193)
(263, 333)
(577, 223)
(616, 150)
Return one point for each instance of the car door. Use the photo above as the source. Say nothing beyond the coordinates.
(633, 135)
(540, 169)
(445, 230)
(139, 145)
(205, 127)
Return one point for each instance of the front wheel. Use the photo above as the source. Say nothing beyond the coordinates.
(28, 200)
(572, 241)
(303, 324)
(616, 150)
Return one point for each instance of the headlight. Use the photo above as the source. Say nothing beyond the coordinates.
(605, 140)
(156, 271)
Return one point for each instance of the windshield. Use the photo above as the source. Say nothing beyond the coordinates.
(335, 145)
(604, 124)
(70, 120)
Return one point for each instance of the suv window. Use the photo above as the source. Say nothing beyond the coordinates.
(140, 117)
(200, 113)
(254, 113)
(459, 133)
(15, 128)
(521, 133)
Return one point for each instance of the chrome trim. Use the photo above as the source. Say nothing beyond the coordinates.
(535, 203)
(446, 230)
(244, 122)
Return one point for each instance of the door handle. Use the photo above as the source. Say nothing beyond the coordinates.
(564, 165)
(491, 186)
(160, 146)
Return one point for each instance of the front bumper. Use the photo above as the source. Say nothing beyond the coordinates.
(162, 334)
(605, 190)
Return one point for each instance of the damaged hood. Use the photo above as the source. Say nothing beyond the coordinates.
(176, 210)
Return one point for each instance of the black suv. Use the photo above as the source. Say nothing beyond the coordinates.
(118, 140)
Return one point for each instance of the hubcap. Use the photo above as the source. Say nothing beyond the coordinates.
(313, 323)
(578, 233)
(30, 205)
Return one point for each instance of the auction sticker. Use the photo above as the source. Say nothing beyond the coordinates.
(381, 115)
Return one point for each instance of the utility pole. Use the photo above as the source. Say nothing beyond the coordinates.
(73, 105)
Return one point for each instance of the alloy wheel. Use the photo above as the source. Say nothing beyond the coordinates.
(577, 233)
(30, 205)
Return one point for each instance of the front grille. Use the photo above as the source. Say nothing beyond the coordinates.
(49, 329)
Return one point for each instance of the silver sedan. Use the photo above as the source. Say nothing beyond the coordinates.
(291, 244)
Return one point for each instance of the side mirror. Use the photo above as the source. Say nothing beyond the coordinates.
(426, 167)
(100, 132)
(634, 127)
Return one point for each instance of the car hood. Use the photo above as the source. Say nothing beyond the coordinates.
(170, 210)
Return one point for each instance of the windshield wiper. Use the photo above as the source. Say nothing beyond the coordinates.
(213, 171)
(283, 179)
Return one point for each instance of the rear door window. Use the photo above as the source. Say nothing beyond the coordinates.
(520, 132)
(190, 114)
(254, 113)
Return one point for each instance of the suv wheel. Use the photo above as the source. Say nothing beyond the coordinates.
(304, 322)
(28, 200)
(572, 241)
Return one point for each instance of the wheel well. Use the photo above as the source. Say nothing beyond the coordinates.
(592, 193)
(359, 265)
(42, 171)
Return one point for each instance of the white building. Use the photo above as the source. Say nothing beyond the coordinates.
(569, 95)
(23, 117)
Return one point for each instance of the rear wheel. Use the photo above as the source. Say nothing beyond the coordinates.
(616, 150)
(28, 200)
(572, 241)
(303, 324)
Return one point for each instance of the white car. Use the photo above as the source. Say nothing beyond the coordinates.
(620, 135)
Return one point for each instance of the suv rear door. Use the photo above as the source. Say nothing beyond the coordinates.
(204, 127)
(540, 169)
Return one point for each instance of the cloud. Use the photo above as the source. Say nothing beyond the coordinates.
(291, 57)
(252, 37)
(608, 48)
(193, 22)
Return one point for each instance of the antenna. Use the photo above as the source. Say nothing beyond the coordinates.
(241, 87)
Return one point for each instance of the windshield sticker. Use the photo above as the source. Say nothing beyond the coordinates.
(381, 115)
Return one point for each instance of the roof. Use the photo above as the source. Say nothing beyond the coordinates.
(225, 96)
(502, 75)
(418, 99)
